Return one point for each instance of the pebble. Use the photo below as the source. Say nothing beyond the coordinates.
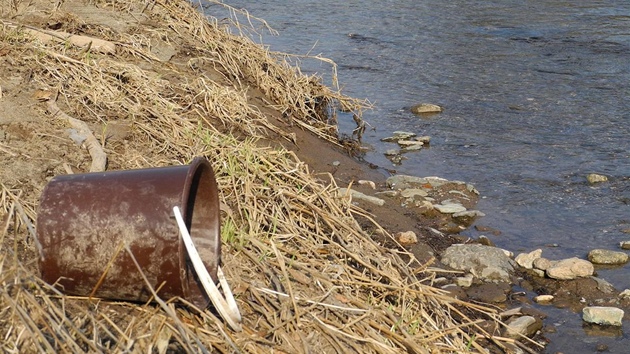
(543, 299)
(336, 163)
(542, 263)
(407, 238)
(625, 245)
(625, 293)
(426, 108)
(593, 178)
(603, 256)
(526, 260)
(609, 316)
(465, 281)
(570, 268)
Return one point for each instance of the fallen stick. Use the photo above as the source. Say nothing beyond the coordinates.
(99, 158)
(45, 36)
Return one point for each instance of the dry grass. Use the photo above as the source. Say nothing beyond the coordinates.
(306, 275)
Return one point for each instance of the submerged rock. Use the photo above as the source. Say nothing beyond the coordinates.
(426, 108)
(602, 256)
(609, 316)
(399, 135)
(593, 178)
(484, 262)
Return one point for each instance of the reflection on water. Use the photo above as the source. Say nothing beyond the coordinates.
(536, 95)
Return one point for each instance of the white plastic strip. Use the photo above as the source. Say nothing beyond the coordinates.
(227, 309)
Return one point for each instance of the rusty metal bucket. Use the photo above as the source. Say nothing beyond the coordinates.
(85, 220)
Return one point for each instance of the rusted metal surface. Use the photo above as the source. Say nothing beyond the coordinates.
(85, 219)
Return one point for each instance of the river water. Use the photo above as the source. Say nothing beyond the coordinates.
(536, 96)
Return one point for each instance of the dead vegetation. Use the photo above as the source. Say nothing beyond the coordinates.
(306, 275)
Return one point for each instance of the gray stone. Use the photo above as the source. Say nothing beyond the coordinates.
(593, 178)
(399, 135)
(425, 139)
(570, 268)
(604, 286)
(413, 192)
(523, 326)
(468, 214)
(426, 108)
(602, 256)
(484, 262)
(408, 148)
(449, 208)
(360, 196)
(609, 316)
(410, 143)
(542, 263)
(392, 152)
(405, 181)
(465, 281)
(526, 260)
(625, 245)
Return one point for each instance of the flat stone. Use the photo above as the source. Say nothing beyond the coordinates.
(399, 135)
(468, 214)
(413, 192)
(449, 208)
(408, 148)
(526, 260)
(523, 326)
(409, 142)
(603, 256)
(484, 262)
(426, 108)
(593, 178)
(392, 152)
(570, 268)
(604, 286)
(406, 238)
(360, 196)
(609, 316)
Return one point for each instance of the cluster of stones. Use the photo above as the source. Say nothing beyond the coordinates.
(407, 142)
(424, 195)
(573, 268)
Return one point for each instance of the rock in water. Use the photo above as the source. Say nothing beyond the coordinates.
(570, 268)
(526, 260)
(602, 256)
(426, 108)
(593, 178)
(609, 316)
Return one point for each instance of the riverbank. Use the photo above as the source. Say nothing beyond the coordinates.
(157, 85)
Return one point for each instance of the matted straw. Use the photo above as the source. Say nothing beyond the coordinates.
(306, 275)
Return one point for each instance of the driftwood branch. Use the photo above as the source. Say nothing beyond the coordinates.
(99, 158)
(46, 36)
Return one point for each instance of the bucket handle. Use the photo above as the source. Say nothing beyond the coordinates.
(227, 307)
